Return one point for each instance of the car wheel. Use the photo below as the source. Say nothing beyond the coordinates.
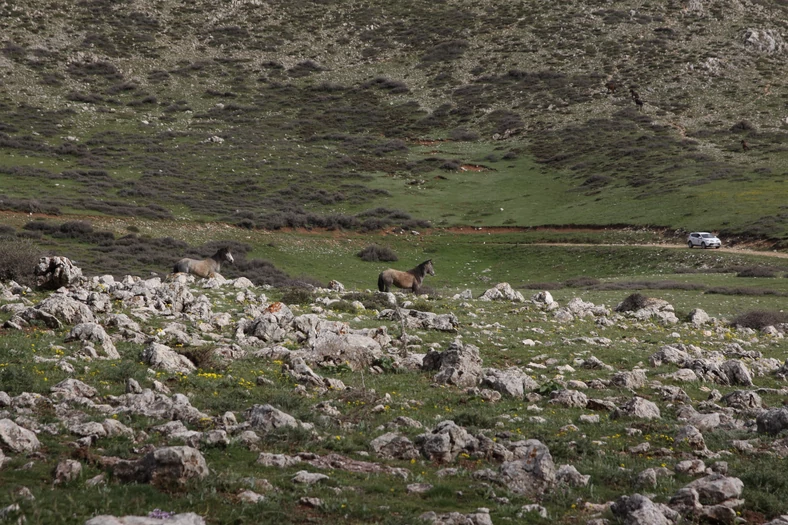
(703, 245)
(689, 244)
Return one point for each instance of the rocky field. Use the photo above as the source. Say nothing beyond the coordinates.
(215, 401)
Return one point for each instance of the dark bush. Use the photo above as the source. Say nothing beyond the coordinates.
(393, 86)
(305, 68)
(756, 271)
(41, 226)
(203, 358)
(451, 165)
(372, 301)
(759, 319)
(742, 125)
(461, 134)
(343, 306)
(76, 228)
(375, 253)
(542, 286)
(18, 259)
(297, 295)
(27, 205)
(581, 282)
(742, 290)
(636, 301)
(650, 285)
(445, 51)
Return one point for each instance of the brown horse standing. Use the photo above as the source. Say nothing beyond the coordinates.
(410, 279)
(207, 267)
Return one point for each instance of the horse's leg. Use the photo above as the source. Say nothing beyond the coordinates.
(382, 285)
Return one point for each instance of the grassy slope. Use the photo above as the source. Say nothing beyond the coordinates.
(318, 105)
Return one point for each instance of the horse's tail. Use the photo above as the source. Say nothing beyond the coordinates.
(381, 283)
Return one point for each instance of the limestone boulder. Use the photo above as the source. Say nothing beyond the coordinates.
(162, 357)
(94, 333)
(52, 273)
(15, 438)
(458, 365)
(166, 466)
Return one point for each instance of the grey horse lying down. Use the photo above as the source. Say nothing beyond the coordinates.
(205, 268)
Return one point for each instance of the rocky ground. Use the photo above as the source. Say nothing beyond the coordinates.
(572, 412)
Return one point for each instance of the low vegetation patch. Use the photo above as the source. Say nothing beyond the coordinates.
(376, 253)
(18, 259)
(759, 319)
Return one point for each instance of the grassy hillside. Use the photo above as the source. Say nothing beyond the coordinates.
(368, 115)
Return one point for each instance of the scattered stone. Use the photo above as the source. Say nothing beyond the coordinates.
(308, 478)
(94, 333)
(533, 475)
(164, 466)
(512, 382)
(772, 421)
(267, 418)
(188, 518)
(277, 460)
(18, 439)
(480, 517)
(52, 273)
(250, 497)
(394, 446)
(418, 488)
(640, 510)
(445, 442)
(637, 407)
(67, 470)
(164, 358)
(502, 292)
(458, 365)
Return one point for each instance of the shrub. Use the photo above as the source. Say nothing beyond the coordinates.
(461, 134)
(581, 282)
(743, 125)
(41, 226)
(636, 301)
(203, 358)
(343, 306)
(756, 271)
(393, 86)
(542, 286)
(372, 301)
(375, 253)
(423, 305)
(18, 379)
(76, 228)
(445, 51)
(18, 259)
(759, 319)
(297, 295)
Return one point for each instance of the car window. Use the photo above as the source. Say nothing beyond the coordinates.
(707, 236)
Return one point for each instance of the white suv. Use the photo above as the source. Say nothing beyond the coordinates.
(703, 239)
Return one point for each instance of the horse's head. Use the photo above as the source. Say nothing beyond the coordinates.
(225, 255)
(428, 269)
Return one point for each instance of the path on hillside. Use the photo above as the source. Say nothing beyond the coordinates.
(741, 251)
